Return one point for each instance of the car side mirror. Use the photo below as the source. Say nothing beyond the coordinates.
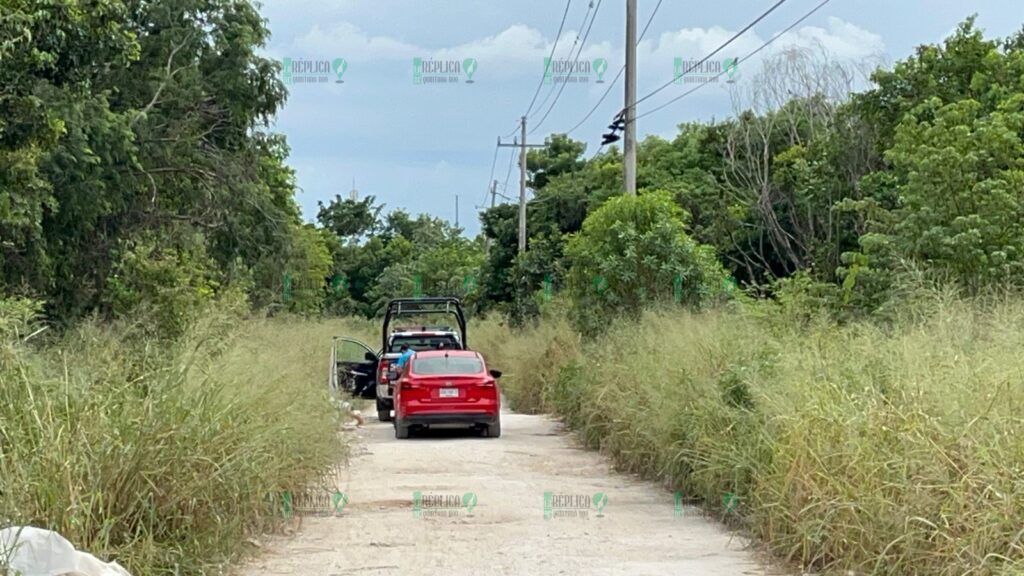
(495, 374)
(370, 357)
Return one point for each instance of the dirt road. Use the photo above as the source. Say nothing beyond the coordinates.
(637, 531)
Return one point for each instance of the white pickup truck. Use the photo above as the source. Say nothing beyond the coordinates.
(353, 363)
(418, 338)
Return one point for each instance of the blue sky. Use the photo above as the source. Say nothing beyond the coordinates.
(416, 146)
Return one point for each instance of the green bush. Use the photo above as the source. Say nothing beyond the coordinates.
(167, 286)
(634, 252)
(305, 287)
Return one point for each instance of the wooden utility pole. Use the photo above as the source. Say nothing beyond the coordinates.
(522, 185)
(522, 145)
(494, 192)
(629, 144)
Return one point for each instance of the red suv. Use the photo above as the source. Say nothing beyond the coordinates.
(448, 388)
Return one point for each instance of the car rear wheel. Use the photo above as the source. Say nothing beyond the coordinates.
(494, 430)
(383, 410)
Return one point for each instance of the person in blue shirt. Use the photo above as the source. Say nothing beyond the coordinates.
(407, 353)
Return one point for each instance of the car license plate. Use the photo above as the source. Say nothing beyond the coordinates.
(449, 393)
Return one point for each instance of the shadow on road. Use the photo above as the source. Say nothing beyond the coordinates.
(445, 434)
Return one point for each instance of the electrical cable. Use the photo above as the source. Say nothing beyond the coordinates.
(716, 50)
(743, 59)
(550, 57)
(617, 76)
(576, 59)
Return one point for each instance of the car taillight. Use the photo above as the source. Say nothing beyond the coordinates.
(409, 385)
(382, 371)
(489, 383)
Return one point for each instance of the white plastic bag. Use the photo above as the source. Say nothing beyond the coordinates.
(36, 552)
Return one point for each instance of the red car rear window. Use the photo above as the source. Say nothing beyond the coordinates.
(447, 365)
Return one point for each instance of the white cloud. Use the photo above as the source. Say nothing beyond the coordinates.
(515, 44)
(519, 49)
(695, 43)
(842, 40)
(516, 50)
(347, 40)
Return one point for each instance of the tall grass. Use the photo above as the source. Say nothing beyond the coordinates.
(163, 455)
(860, 448)
(529, 358)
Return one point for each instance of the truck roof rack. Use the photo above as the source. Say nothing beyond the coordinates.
(420, 306)
(421, 328)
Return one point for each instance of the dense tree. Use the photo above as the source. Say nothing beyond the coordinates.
(634, 252)
(137, 173)
(560, 155)
(348, 218)
(840, 192)
(127, 126)
(951, 201)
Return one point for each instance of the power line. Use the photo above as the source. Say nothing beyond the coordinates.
(599, 102)
(576, 59)
(513, 132)
(615, 80)
(586, 15)
(743, 59)
(649, 20)
(550, 57)
(716, 50)
(494, 162)
(540, 85)
(511, 161)
(508, 173)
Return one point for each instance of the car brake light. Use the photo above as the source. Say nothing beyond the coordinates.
(409, 385)
(489, 383)
(382, 371)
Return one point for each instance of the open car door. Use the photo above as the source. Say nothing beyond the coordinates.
(353, 367)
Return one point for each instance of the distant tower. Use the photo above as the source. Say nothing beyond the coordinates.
(353, 194)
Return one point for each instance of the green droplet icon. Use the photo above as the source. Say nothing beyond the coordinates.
(339, 65)
(469, 65)
(729, 501)
(600, 500)
(338, 501)
(469, 501)
(600, 66)
(730, 65)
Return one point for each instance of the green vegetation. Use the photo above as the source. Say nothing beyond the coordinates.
(920, 175)
(852, 449)
(132, 130)
(134, 155)
(860, 392)
(634, 252)
(163, 456)
(866, 415)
